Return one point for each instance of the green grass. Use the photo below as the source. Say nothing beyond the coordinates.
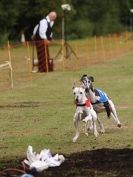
(40, 112)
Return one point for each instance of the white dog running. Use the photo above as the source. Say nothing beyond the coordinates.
(84, 111)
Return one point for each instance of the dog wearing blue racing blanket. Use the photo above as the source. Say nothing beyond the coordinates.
(99, 99)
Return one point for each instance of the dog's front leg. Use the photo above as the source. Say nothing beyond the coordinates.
(95, 128)
(88, 121)
(86, 128)
(75, 123)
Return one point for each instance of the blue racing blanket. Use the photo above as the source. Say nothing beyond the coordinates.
(103, 96)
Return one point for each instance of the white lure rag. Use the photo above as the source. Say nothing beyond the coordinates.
(43, 160)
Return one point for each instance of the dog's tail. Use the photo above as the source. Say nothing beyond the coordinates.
(107, 108)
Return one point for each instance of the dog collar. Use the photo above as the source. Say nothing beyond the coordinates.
(81, 104)
(87, 103)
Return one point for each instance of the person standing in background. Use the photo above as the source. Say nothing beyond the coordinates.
(42, 34)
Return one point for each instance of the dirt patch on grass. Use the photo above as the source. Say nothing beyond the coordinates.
(21, 105)
(95, 163)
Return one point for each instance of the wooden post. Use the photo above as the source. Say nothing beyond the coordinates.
(76, 49)
(126, 39)
(110, 46)
(28, 58)
(10, 63)
(95, 45)
(63, 53)
(103, 48)
(116, 45)
(46, 55)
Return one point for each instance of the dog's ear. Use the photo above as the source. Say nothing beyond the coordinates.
(91, 78)
(74, 85)
(84, 75)
(82, 85)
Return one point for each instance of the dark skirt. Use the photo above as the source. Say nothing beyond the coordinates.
(43, 56)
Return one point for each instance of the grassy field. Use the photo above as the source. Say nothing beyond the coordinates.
(40, 112)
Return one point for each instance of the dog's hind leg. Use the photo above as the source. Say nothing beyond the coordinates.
(102, 130)
(115, 118)
(75, 123)
(114, 114)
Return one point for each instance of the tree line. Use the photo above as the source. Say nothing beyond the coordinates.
(86, 18)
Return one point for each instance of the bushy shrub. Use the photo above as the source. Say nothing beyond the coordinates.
(80, 29)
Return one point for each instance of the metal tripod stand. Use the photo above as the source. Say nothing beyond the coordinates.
(66, 50)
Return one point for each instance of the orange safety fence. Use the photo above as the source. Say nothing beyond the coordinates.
(22, 58)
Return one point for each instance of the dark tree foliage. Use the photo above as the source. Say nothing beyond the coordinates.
(86, 18)
(8, 18)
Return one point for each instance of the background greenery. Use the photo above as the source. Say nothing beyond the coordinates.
(86, 18)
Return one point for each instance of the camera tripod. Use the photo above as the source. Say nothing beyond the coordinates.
(65, 51)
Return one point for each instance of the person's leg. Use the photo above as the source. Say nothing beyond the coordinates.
(41, 55)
